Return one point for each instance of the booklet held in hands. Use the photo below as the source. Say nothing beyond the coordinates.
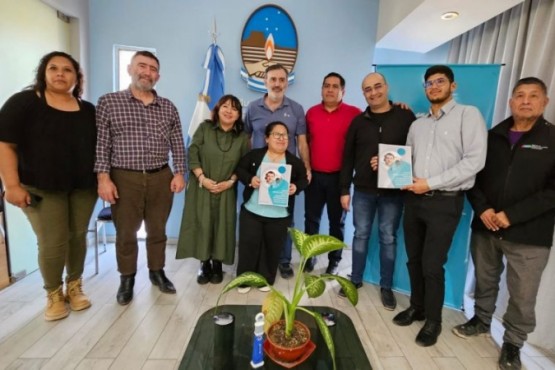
(394, 166)
(274, 184)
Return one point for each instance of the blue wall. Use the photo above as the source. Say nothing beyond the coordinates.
(333, 37)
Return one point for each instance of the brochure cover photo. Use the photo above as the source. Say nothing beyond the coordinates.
(394, 166)
(274, 184)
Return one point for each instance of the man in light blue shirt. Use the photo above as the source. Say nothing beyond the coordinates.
(449, 149)
(275, 106)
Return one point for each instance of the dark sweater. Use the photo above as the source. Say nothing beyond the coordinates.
(365, 133)
(519, 181)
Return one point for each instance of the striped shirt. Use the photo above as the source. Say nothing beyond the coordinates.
(135, 136)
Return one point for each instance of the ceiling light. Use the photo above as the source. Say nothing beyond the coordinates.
(447, 16)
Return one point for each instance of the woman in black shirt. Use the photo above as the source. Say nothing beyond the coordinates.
(47, 146)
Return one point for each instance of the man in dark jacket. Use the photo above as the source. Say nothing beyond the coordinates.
(514, 204)
(382, 122)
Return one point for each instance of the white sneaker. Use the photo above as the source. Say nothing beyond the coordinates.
(243, 289)
(264, 288)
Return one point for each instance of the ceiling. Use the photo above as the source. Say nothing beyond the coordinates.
(416, 25)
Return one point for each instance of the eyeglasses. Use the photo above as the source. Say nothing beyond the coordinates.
(277, 135)
(439, 82)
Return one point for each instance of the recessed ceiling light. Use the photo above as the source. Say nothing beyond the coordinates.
(447, 16)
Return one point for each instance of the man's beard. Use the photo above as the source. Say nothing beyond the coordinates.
(440, 99)
(275, 95)
(144, 84)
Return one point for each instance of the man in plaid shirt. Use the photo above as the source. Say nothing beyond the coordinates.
(136, 131)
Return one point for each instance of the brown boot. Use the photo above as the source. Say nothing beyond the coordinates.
(55, 305)
(74, 295)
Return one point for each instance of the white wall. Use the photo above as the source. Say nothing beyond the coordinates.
(332, 36)
(28, 30)
(390, 56)
(79, 32)
(392, 12)
(544, 335)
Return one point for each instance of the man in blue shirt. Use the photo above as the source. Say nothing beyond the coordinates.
(275, 106)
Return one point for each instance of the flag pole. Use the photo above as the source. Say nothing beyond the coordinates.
(214, 32)
(213, 88)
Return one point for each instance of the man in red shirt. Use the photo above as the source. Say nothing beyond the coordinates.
(327, 125)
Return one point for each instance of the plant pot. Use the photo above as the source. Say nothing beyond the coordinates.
(287, 352)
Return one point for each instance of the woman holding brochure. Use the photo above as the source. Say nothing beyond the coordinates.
(263, 227)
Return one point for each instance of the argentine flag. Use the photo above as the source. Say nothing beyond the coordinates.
(213, 90)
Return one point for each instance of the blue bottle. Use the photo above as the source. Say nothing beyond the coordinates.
(257, 358)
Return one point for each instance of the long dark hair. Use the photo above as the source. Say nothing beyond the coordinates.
(40, 76)
(235, 103)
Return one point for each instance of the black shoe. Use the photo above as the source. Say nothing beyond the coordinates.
(388, 299)
(408, 316)
(427, 336)
(285, 270)
(217, 273)
(472, 328)
(204, 274)
(159, 279)
(332, 267)
(125, 291)
(309, 265)
(342, 292)
(509, 359)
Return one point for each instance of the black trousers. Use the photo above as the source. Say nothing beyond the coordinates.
(324, 191)
(429, 225)
(261, 241)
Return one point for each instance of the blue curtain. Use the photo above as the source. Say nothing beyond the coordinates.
(476, 85)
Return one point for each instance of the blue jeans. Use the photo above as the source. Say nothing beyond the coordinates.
(389, 209)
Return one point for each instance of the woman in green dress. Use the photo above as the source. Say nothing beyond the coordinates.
(209, 216)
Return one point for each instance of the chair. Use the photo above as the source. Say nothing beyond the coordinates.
(103, 217)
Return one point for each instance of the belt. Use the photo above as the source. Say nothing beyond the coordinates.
(153, 170)
(443, 193)
(326, 173)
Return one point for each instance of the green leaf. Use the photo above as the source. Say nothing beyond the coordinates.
(326, 334)
(246, 278)
(349, 288)
(298, 238)
(277, 305)
(315, 286)
(315, 245)
(272, 308)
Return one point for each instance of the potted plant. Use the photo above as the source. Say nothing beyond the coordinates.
(276, 305)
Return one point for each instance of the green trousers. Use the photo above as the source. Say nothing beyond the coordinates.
(60, 221)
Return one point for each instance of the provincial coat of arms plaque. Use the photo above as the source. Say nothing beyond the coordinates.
(269, 37)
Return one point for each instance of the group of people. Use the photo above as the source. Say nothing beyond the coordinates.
(57, 153)
(269, 133)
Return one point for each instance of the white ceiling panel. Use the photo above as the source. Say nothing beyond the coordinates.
(423, 29)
